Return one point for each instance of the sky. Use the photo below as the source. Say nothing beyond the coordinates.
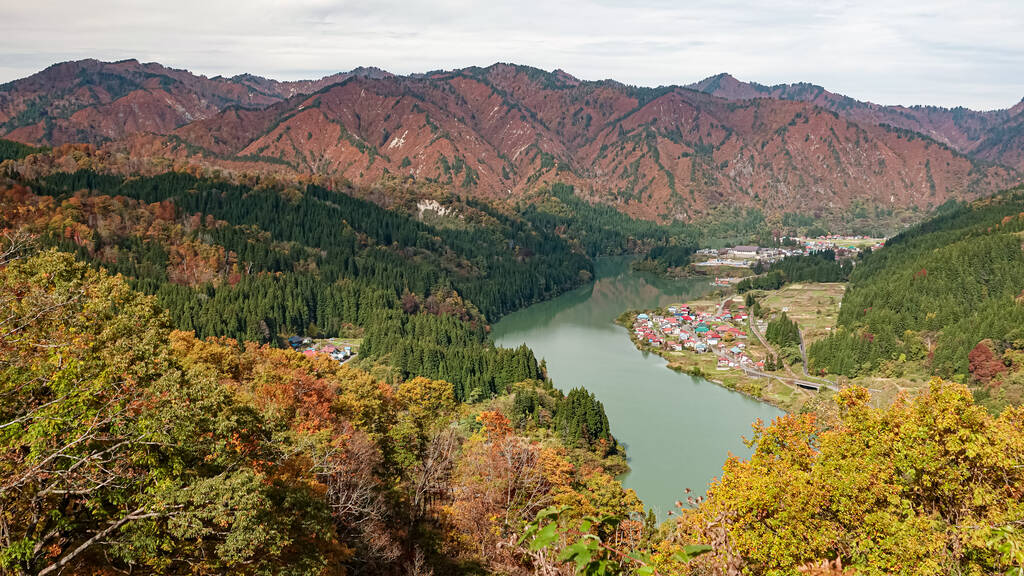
(939, 52)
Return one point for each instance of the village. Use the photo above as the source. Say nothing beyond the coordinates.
(720, 332)
(745, 257)
(719, 338)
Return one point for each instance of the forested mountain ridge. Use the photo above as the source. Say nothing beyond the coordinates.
(262, 261)
(948, 292)
(664, 154)
(503, 131)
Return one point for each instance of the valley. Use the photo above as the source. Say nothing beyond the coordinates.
(419, 324)
(675, 427)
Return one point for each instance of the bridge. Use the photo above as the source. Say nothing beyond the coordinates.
(806, 385)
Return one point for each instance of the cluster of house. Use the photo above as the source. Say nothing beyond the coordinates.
(310, 349)
(745, 256)
(685, 329)
(843, 245)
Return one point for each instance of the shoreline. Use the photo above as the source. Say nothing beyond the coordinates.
(690, 363)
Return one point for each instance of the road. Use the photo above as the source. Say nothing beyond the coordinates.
(802, 383)
(721, 305)
(796, 381)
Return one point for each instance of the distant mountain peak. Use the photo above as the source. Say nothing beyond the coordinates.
(725, 85)
(246, 76)
(371, 72)
(509, 129)
(721, 77)
(565, 76)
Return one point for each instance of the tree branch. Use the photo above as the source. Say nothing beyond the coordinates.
(136, 515)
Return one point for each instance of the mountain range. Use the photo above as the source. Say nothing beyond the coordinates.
(501, 132)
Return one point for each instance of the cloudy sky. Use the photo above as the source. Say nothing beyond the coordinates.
(939, 52)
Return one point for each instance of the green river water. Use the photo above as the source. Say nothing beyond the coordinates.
(677, 429)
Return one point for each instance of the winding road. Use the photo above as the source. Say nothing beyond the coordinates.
(821, 382)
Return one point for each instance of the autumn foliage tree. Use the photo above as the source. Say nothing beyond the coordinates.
(983, 363)
(931, 485)
(500, 484)
(115, 453)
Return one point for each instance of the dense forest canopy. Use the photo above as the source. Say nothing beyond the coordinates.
(599, 229)
(11, 150)
(820, 266)
(259, 263)
(126, 446)
(934, 293)
(931, 485)
(783, 331)
(528, 263)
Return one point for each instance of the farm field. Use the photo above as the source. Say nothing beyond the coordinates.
(815, 307)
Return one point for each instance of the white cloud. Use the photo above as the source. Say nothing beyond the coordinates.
(910, 52)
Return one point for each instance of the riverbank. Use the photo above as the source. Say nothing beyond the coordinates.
(739, 377)
(577, 337)
(723, 342)
(757, 368)
(692, 270)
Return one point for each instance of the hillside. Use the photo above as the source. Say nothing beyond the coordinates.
(151, 314)
(948, 294)
(264, 262)
(669, 153)
(128, 446)
(92, 101)
(151, 451)
(994, 136)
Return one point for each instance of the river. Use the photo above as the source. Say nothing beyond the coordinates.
(677, 429)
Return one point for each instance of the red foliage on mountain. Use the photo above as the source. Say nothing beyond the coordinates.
(995, 135)
(984, 364)
(93, 101)
(504, 131)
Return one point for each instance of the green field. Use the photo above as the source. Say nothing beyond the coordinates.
(815, 307)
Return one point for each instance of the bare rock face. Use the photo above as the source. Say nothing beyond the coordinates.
(502, 131)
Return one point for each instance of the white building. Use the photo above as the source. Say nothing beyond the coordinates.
(744, 251)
